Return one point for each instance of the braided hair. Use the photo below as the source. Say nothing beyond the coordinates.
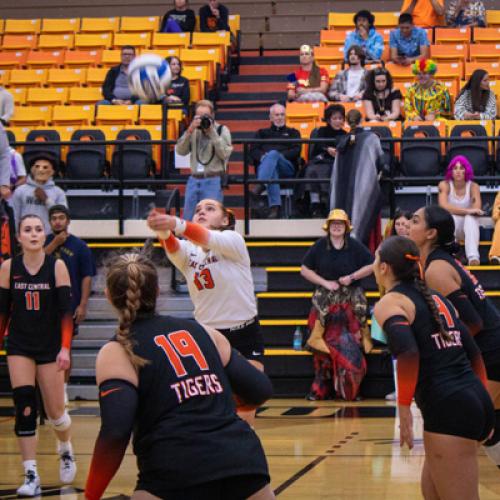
(404, 258)
(132, 283)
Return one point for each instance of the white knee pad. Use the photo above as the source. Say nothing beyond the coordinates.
(493, 453)
(62, 423)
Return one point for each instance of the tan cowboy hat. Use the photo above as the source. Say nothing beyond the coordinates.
(337, 214)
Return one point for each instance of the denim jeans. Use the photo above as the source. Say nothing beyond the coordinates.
(200, 189)
(274, 166)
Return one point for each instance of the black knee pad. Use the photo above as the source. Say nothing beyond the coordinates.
(26, 410)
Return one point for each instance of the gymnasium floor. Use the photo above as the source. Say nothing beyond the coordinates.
(326, 450)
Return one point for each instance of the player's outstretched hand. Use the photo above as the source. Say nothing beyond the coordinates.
(405, 426)
(161, 222)
(63, 360)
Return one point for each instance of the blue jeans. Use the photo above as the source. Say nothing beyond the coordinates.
(200, 189)
(274, 166)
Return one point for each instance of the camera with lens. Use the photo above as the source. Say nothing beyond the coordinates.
(206, 122)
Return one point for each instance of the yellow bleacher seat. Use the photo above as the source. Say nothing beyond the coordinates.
(137, 40)
(487, 124)
(2, 25)
(13, 60)
(484, 51)
(54, 26)
(493, 69)
(341, 20)
(325, 56)
(73, 115)
(492, 18)
(20, 134)
(201, 57)
(386, 19)
(44, 59)
(81, 58)
(19, 95)
(99, 24)
(109, 115)
(4, 77)
(96, 76)
(90, 41)
(111, 57)
(53, 42)
(170, 40)
(197, 76)
(220, 40)
(84, 95)
(19, 42)
(27, 77)
(139, 24)
(452, 35)
(162, 52)
(31, 116)
(66, 77)
(332, 37)
(46, 97)
(486, 35)
(450, 52)
(150, 114)
(234, 22)
(495, 87)
(22, 26)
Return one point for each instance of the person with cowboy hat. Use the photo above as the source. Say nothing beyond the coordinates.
(335, 264)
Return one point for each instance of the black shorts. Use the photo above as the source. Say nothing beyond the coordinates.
(229, 488)
(467, 413)
(248, 340)
(492, 364)
(39, 358)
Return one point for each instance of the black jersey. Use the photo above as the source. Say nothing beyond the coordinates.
(444, 366)
(35, 322)
(488, 339)
(186, 425)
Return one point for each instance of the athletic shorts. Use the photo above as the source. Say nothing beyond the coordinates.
(40, 358)
(467, 413)
(492, 364)
(247, 339)
(229, 488)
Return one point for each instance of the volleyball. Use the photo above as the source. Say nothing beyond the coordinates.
(149, 77)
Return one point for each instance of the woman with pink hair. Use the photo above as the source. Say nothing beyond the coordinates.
(461, 197)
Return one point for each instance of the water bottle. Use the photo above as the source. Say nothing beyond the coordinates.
(297, 339)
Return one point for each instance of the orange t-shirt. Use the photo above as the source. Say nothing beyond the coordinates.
(424, 14)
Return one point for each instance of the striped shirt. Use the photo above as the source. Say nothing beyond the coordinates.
(464, 105)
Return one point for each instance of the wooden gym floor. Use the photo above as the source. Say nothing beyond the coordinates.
(316, 450)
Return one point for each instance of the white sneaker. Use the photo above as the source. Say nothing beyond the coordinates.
(31, 486)
(67, 467)
(391, 396)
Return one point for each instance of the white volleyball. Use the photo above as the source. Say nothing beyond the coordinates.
(149, 77)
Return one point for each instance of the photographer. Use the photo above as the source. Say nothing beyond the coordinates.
(210, 146)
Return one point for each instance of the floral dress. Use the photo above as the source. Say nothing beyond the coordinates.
(420, 101)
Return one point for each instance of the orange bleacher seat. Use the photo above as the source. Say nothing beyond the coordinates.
(19, 95)
(73, 115)
(201, 57)
(137, 40)
(66, 77)
(139, 24)
(453, 87)
(296, 111)
(234, 22)
(4, 77)
(449, 52)
(332, 37)
(53, 42)
(109, 115)
(99, 24)
(2, 25)
(341, 20)
(96, 76)
(22, 26)
(111, 57)
(354, 105)
(84, 95)
(19, 42)
(386, 19)
(55, 26)
(403, 86)
(13, 60)
(400, 73)
(44, 59)
(89, 41)
(81, 58)
(484, 51)
(46, 97)
(492, 18)
(450, 71)
(27, 77)
(197, 76)
(452, 35)
(495, 87)
(219, 40)
(486, 35)
(162, 52)
(396, 128)
(332, 69)
(493, 69)
(325, 56)
(170, 40)
(31, 116)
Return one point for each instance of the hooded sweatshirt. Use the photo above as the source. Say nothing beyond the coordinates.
(25, 202)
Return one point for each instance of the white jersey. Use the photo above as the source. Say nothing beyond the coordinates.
(219, 280)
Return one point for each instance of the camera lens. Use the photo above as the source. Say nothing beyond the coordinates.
(205, 122)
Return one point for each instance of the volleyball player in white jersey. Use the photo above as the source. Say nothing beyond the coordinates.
(215, 262)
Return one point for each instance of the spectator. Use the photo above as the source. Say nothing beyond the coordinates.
(115, 88)
(476, 101)
(17, 169)
(335, 264)
(426, 13)
(6, 106)
(400, 225)
(214, 17)
(407, 42)
(310, 82)
(365, 36)
(427, 99)
(350, 84)
(381, 100)
(180, 19)
(355, 177)
(275, 160)
(178, 92)
(495, 244)
(78, 259)
(39, 193)
(461, 197)
(4, 165)
(210, 147)
(466, 13)
(322, 157)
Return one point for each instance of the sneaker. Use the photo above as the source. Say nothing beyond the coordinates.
(31, 486)
(391, 396)
(474, 262)
(67, 467)
(495, 260)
